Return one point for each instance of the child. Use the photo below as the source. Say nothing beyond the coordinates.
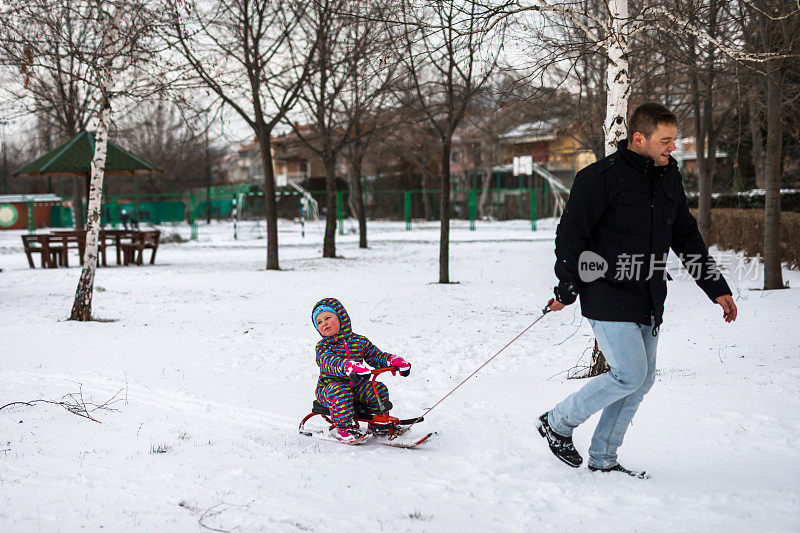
(343, 374)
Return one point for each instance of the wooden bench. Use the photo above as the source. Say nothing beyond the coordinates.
(133, 251)
(52, 254)
(76, 240)
(115, 237)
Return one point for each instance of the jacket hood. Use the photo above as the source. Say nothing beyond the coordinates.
(344, 319)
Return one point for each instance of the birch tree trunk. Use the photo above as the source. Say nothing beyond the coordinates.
(82, 306)
(617, 81)
(618, 88)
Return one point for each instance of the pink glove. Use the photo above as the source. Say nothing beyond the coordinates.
(356, 368)
(401, 364)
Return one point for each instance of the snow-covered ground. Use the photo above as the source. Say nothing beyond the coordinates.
(209, 357)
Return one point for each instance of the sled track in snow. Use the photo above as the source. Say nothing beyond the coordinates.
(103, 389)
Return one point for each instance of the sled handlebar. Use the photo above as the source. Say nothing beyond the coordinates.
(374, 373)
(378, 371)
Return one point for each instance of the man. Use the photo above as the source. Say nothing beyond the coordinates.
(623, 215)
(128, 220)
(125, 218)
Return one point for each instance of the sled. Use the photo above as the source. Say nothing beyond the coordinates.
(379, 424)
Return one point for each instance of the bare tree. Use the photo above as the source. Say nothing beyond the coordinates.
(756, 100)
(446, 58)
(771, 27)
(54, 86)
(110, 29)
(344, 94)
(174, 138)
(364, 102)
(121, 33)
(511, 100)
(411, 142)
(705, 76)
(249, 55)
(106, 43)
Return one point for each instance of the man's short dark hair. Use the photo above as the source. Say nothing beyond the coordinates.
(646, 118)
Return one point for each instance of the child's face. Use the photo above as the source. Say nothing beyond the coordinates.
(328, 323)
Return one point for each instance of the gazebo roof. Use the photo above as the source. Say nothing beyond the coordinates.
(75, 157)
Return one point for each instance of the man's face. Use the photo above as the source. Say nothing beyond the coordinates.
(658, 146)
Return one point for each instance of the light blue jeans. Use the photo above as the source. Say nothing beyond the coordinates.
(630, 350)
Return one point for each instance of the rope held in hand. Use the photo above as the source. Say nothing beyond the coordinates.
(544, 312)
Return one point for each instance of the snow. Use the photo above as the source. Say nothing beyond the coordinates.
(211, 360)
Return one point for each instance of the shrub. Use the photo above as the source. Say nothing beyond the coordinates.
(743, 230)
(790, 200)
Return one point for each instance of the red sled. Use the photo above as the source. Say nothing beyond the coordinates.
(379, 424)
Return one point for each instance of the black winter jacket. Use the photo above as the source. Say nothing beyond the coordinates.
(623, 207)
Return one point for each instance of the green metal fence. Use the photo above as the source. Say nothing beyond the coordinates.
(467, 204)
(401, 205)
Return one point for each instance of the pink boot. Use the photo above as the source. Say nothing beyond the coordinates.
(346, 435)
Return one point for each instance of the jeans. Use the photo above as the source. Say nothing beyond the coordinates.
(630, 350)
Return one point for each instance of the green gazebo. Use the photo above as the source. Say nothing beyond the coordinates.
(74, 158)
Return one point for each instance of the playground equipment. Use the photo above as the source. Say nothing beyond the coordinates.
(308, 206)
(558, 189)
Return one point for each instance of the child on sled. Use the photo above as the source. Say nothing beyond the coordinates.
(343, 357)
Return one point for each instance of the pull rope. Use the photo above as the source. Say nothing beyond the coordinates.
(544, 312)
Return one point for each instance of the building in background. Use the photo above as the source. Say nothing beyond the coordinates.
(244, 165)
(686, 155)
(32, 211)
(549, 143)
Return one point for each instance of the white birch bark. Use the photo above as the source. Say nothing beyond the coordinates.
(618, 87)
(110, 26)
(615, 127)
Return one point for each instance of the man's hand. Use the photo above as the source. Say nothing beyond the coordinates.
(728, 307)
(556, 306)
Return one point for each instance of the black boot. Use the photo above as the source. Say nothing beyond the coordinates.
(619, 468)
(560, 446)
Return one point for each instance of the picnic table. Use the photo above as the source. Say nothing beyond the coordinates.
(54, 247)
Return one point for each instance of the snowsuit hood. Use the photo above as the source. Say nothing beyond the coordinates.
(332, 353)
(345, 329)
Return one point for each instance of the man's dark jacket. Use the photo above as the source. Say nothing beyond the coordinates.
(629, 211)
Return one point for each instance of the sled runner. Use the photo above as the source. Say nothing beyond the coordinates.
(383, 427)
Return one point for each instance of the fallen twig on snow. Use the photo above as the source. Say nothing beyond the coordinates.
(208, 512)
(75, 404)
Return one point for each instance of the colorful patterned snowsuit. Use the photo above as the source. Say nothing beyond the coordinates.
(334, 389)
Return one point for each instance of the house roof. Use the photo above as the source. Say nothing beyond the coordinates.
(35, 198)
(307, 130)
(75, 157)
(542, 130)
